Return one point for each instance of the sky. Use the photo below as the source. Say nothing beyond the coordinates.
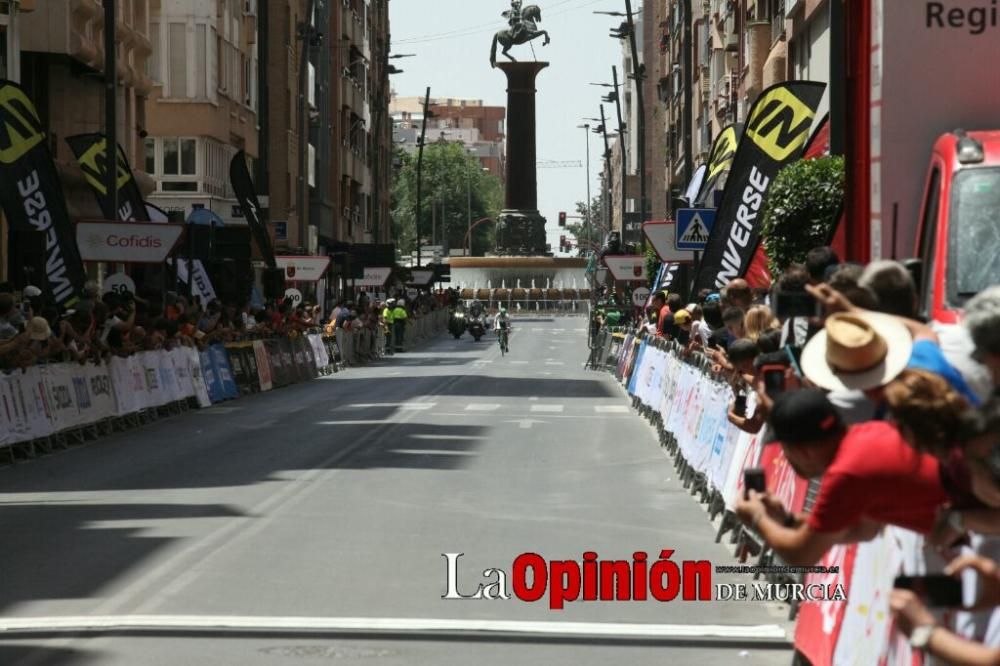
(451, 42)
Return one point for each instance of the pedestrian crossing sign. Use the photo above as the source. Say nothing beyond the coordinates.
(694, 225)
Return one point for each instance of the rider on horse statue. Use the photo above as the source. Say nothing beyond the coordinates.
(513, 16)
(523, 22)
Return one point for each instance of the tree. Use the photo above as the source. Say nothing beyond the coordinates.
(582, 230)
(448, 174)
(803, 206)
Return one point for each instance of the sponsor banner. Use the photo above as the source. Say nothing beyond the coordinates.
(776, 132)
(421, 278)
(149, 362)
(782, 481)
(213, 385)
(91, 153)
(818, 625)
(662, 236)
(31, 193)
(320, 353)
(627, 268)
(719, 163)
(303, 269)
(127, 242)
(263, 365)
(202, 283)
(220, 361)
(374, 277)
(239, 178)
(197, 377)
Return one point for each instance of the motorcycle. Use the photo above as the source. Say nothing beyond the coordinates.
(477, 328)
(457, 323)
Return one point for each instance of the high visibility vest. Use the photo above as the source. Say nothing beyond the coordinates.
(399, 314)
(387, 315)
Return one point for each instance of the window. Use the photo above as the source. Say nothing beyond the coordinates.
(153, 61)
(177, 52)
(928, 233)
(973, 262)
(180, 157)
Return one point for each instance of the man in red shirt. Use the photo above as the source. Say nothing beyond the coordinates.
(870, 477)
(662, 310)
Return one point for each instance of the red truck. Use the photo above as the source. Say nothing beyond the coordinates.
(924, 159)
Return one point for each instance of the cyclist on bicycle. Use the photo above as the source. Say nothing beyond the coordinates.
(501, 324)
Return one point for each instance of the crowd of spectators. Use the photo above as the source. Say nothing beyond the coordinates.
(898, 418)
(33, 330)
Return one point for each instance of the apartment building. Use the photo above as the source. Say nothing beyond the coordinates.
(481, 128)
(202, 108)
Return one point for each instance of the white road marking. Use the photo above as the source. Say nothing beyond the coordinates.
(98, 623)
(482, 407)
(525, 424)
(520, 362)
(336, 423)
(547, 408)
(448, 437)
(555, 363)
(433, 452)
(611, 409)
(418, 406)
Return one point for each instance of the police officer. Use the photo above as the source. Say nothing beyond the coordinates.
(387, 324)
(399, 317)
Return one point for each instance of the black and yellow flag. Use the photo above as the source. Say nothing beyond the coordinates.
(719, 163)
(91, 153)
(31, 194)
(775, 135)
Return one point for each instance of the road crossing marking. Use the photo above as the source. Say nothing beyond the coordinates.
(185, 623)
(417, 406)
(547, 408)
(611, 409)
(482, 407)
(432, 452)
(555, 363)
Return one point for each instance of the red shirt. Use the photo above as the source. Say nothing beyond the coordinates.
(877, 475)
(661, 320)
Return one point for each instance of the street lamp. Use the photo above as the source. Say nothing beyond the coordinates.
(590, 226)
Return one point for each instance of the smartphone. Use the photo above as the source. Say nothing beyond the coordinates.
(790, 304)
(753, 479)
(740, 405)
(936, 590)
(774, 380)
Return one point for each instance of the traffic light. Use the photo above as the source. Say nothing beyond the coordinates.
(562, 243)
(562, 218)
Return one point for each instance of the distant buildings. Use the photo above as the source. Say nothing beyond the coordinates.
(481, 129)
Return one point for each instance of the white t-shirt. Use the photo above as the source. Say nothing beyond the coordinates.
(701, 331)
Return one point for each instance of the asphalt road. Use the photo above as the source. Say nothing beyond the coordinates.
(307, 525)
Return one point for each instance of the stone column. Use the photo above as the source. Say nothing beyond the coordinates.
(521, 229)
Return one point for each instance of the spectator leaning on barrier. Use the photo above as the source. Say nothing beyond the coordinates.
(870, 477)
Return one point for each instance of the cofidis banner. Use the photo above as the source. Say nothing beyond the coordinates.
(91, 153)
(776, 132)
(31, 194)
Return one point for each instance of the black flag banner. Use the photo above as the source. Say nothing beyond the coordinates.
(91, 154)
(776, 132)
(31, 194)
(239, 177)
(719, 163)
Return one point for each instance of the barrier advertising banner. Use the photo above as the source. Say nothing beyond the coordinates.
(31, 194)
(263, 365)
(91, 153)
(776, 132)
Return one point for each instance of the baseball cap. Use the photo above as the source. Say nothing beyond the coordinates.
(31, 291)
(805, 415)
(682, 317)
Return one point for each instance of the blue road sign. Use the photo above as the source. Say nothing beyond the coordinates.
(694, 225)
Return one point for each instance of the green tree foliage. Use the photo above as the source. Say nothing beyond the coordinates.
(448, 173)
(803, 206)
(582, 231)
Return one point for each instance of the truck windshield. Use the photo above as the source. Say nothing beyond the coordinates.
(974, 234)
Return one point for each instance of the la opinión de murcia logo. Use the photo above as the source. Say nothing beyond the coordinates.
(532, 578)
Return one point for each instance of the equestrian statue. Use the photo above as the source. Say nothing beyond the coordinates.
(523, 29)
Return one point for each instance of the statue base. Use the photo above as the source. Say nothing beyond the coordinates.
(521, 233)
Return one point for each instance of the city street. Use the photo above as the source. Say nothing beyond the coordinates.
(336, 498)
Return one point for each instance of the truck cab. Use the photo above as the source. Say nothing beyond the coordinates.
(958, 235)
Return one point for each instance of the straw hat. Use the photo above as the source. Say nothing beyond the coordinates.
(857, 352)
(38, 329)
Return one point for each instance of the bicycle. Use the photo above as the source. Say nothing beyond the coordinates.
(502, 339)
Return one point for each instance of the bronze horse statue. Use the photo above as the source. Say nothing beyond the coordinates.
(525, 31)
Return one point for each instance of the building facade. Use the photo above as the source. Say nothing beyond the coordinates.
(202, 108)
(481, 129)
